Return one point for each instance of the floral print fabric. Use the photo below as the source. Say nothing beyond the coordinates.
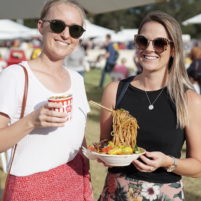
(118, 187)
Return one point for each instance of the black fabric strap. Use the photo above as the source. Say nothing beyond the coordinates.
(123, 86)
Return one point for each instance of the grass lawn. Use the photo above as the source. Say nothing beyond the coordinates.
(98, 171)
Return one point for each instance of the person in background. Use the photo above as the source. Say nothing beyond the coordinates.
(47, 165)
(35, 53)
(194, 70)
(3, 62)
(120, 71)
(195, 79)
(168, 112)
(16, 44)
(77, 60)
(111, 56)
(137, 65)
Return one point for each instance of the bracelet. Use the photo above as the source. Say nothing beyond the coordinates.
(173, 166)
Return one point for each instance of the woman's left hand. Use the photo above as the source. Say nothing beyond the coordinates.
(150, 161)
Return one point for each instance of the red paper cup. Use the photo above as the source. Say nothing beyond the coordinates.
(65, 101)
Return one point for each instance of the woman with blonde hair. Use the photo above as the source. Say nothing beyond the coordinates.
(47, 165)
(168, 112)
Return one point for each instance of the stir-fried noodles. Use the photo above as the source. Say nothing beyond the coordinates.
(124, 128)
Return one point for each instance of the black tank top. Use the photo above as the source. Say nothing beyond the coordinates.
(157, 131)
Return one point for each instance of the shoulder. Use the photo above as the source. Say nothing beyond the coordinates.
(110, 46)
(75, 75)
(109, 94)
(112, 86)
(193, 101)
(12, 72)
(77, 81)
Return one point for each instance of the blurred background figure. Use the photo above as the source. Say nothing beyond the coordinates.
(120, 71)
(195, 80)
(137, 64)
(3, 63)
(35, 53)
(77, 60)
(194, 70)
(99, 61)
(111, 56)
(16, 44)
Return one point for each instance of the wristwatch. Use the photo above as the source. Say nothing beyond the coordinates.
(173, 166)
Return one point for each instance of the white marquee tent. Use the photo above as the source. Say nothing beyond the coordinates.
(93, 31)
(125, 35)
(194, 20)
(12, 30)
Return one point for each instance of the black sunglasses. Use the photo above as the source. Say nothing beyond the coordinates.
(58, 26)
(159, 44)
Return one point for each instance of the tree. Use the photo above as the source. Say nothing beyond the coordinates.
(130, 18)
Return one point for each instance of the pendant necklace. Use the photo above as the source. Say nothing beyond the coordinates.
(151, 105)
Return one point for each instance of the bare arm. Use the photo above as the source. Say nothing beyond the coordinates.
(43, 117)
(108, 100)
(191, 166)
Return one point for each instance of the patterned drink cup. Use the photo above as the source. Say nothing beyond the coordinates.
(66, 102)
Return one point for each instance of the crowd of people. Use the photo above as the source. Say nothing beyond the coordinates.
(47, 162)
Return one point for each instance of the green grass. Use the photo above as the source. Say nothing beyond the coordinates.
(98, 171)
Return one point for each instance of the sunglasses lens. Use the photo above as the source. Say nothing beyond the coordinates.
(57, 26)
(160, 45)
(76, 31)
(141, 42)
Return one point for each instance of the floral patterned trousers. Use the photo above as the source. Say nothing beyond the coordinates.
(118, 187)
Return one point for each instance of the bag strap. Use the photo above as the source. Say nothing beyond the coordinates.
(24, 101)
(123, 86)
(26, 84)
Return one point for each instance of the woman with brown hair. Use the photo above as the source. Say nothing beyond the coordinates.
(168, 112)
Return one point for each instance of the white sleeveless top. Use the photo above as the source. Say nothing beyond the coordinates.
(44, 148)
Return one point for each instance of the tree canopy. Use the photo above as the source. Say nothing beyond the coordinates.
(130, 18)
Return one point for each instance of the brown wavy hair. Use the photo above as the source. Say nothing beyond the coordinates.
(178, 82)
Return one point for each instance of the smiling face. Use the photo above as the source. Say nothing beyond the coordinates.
(149, 59)
(57, 45)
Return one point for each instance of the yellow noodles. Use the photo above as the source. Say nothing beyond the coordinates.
(124, 128)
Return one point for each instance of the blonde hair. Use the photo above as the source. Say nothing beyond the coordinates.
(51, 3)
(178, 82)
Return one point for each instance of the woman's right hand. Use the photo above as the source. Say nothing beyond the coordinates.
(46, 116)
